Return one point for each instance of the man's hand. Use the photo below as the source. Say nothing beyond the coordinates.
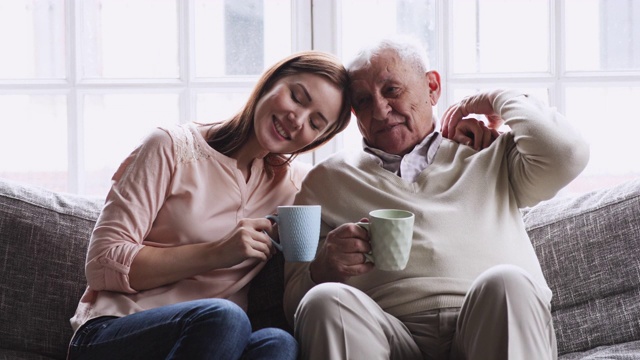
(473, 132)
(480, 103)
(341, 256)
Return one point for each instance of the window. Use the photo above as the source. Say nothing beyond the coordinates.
(581, 56)
(82, 81)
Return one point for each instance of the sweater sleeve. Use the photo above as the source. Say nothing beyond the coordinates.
(548, 153)
(138, 190)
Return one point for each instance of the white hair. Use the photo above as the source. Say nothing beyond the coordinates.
(409, 49)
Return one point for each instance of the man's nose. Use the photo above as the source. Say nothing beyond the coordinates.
(381, 108)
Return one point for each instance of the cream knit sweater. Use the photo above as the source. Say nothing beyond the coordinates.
(466, 205)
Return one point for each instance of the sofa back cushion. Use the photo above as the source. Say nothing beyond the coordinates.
(589, 249)
(43, 241)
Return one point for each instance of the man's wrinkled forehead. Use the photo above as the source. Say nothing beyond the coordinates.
(381, 69)
(378, 67)
(373, 61)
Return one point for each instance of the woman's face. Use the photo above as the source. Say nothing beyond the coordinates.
(295, 112)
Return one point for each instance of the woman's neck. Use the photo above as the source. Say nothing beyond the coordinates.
(245, 156)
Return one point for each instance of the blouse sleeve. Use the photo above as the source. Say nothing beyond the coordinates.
(138, 191)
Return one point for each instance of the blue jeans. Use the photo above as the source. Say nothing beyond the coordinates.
(200, 329)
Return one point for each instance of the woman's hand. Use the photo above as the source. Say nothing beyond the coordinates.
(247, 240)
(154, 266)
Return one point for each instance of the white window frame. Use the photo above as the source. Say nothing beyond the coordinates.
(187, 85)
(315, 25)
(326, 12)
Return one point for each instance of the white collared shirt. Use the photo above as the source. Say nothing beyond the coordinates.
(409, 166)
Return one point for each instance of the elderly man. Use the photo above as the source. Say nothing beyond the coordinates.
(473, 287)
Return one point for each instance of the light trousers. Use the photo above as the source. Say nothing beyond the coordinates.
(504, 316)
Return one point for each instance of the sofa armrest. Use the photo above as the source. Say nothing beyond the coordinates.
(43, 241)
(589, 250)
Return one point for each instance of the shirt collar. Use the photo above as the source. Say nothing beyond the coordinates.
(425, 150)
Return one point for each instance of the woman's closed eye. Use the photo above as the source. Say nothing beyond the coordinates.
(318, 121)
(300, 95)
(313, 124)
(294, 97)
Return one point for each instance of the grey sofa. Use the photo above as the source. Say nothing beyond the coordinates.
(589, 248)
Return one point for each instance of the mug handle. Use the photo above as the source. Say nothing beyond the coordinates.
(369, 255)
(275, 219)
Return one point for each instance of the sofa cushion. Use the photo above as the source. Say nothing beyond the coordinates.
(43, 241)
(589, 249)
(624, 351)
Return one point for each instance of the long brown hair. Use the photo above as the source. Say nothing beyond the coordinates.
(228, 136)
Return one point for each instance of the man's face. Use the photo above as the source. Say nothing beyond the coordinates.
(393, 102)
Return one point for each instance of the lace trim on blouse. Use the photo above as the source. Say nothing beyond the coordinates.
(185, 145)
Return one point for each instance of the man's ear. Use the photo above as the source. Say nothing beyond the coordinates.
(433, 77)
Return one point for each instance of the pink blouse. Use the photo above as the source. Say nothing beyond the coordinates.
(175, 189)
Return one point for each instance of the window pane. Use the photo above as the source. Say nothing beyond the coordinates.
(240, 37)
(541, 93)
(498, 36)
(129, 38)
(32, 39)
(114, 125)
(602, 35)
(351, 136)
(33, 140)
(218, 106)
(386, 18)
(609, 124)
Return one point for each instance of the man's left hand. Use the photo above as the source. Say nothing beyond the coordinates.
(480, 103)
(475, 133)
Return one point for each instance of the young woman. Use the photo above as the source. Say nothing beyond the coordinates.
(181, 233)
